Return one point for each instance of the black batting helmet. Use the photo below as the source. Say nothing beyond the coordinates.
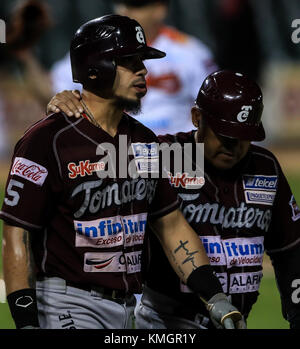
(98, 42)
(232, 105)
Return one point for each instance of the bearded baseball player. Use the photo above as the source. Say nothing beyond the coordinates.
(244, 208)
(74, 222)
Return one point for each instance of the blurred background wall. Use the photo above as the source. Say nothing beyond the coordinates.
(252, 36)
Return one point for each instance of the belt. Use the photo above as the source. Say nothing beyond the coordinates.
(104, 291)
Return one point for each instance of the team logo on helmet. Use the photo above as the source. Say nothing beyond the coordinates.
(139, 35)
(244, 113)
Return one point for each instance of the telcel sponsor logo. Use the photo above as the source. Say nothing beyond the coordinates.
(260, 182)
(145, 150)
(234, 252)
(84, 167)
(146, 157)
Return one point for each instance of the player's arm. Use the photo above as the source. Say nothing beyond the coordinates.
(66, 101)
(18, 269)
(286, 267)
(188, 258)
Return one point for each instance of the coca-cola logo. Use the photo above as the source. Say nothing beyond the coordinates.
(29, 170)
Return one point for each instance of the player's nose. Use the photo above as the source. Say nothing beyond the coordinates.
(141, 69)
(230, 143)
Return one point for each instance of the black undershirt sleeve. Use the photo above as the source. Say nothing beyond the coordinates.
(287, 271)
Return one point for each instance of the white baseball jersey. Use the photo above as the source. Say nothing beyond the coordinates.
(173, 81)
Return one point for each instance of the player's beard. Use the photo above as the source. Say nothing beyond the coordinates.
(128, 105)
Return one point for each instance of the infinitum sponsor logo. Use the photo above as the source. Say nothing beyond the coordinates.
(111, 231)
(234, 252)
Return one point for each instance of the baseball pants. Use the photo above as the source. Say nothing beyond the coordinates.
(157, 311)
(64, 307)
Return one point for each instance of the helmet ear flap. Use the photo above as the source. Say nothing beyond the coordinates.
(100, 76)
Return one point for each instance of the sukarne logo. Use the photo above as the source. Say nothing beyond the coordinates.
(183, 180)
(84, 167)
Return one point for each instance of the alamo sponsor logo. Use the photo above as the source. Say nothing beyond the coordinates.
(29, 170)
(259, 197)
(111, 231)
(260, 182)
(113, 262)
(232, 217)
(84, 168)
(245, 282)
(183, 180)
(234, 252)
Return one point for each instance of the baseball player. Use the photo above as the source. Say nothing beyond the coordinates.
(74, 221)
(172, 82)
(245, 208)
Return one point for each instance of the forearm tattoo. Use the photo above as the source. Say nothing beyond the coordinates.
(190, 255)
(29, 258)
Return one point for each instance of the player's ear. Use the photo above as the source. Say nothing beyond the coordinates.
(196, 117)
(93, 73)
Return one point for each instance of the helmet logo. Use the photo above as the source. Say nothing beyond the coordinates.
(139, 35)
(244, 113)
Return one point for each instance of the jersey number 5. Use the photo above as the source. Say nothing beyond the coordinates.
(15, 196)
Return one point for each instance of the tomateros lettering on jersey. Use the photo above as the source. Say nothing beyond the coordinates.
(233, 217)
(113, 262)
(29, 170)
(84, 168)
(238, 252)
(111, 231)
(117, 193)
